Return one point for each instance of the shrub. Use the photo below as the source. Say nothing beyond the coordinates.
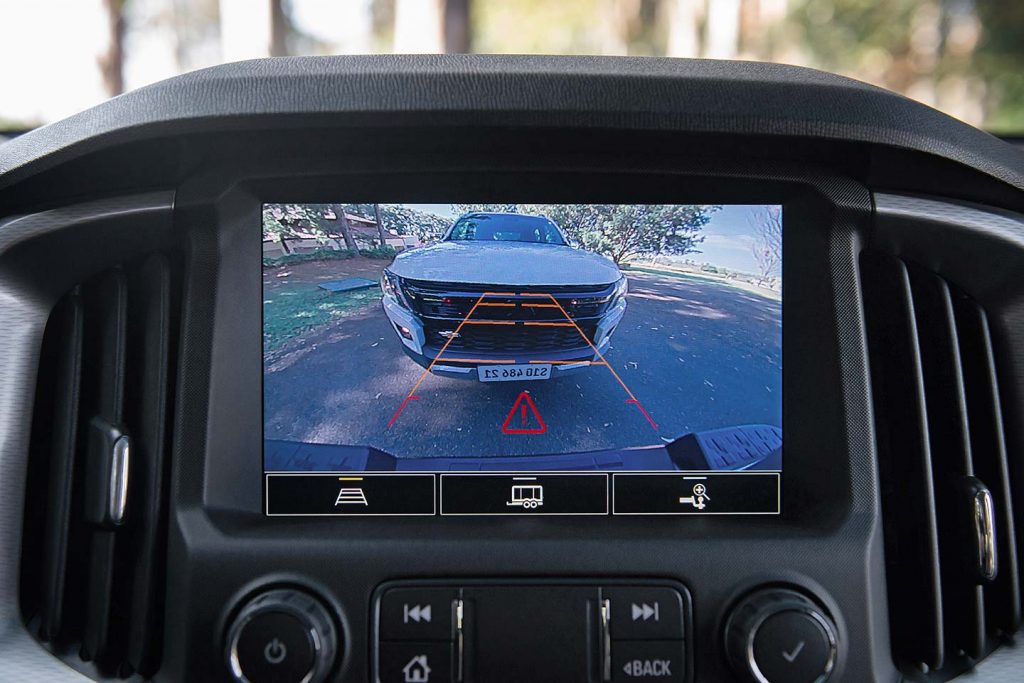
(385, 252)
(315, 255)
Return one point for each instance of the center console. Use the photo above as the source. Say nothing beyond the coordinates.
(604, 564)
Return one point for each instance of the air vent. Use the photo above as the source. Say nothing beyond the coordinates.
(953, 586)
(96, 502)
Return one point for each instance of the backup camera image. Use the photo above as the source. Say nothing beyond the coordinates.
(522, 337)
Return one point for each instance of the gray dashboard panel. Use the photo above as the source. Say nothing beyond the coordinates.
(23, 316)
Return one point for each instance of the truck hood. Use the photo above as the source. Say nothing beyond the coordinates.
(505, 263)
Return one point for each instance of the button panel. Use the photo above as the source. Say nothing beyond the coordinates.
(470, 631)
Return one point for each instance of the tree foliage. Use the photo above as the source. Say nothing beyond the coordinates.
(620, 231)
(766, 224)
(966, 58)
(289, 221)
(427, 227)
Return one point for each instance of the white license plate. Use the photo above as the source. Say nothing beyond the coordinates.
(514, 373)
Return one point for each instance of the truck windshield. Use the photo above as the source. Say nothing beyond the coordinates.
(489, 227)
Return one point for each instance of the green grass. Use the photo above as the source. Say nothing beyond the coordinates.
(677, 274)
(291, 311)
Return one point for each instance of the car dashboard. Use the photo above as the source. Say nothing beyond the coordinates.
(519, 454)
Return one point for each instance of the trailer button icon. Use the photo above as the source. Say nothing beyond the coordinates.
(526, 496)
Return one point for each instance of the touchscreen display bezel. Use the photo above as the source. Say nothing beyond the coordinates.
(473, 494)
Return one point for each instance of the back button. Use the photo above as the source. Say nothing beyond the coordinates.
(652, 661)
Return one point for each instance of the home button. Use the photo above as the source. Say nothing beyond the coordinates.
(415, 662)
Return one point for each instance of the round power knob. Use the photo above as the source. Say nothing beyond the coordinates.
(282, 636)
(778, 634)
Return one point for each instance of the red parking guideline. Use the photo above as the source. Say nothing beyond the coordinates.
(519, 413)
(398, 412)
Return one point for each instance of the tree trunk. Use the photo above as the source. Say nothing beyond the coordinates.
(614, 26)
(661, 248)
(112, 61)
(457, 38)
(380, 226)
(278, 29)
(346, 231)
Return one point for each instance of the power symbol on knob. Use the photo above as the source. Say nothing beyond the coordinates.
(275, 651)
(282, 636)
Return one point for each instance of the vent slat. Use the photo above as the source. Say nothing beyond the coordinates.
(939, 422)
(92, 574)
(105, 377)
(905, 464)
(141, 597)
(63, 431)
(952, 462)
(988, 446)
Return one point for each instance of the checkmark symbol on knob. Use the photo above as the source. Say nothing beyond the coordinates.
(791, 656)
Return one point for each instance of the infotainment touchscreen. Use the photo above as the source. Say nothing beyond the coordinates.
(522, 359)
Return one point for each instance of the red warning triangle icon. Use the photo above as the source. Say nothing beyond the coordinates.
(524, 418)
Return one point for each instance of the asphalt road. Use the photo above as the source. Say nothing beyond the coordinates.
(697, 355)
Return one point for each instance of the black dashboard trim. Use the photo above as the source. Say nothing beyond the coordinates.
(700, 96)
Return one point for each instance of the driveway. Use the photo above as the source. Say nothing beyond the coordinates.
(697, 354)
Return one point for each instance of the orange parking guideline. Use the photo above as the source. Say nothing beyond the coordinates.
(554, 304)
(445, 347)
(585, 337)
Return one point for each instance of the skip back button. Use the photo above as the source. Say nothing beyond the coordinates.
(650, 661)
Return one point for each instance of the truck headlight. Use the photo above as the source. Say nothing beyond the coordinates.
(391, 285)
(621, 287)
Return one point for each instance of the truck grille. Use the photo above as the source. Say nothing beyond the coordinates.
(510, 338)
(454, 301)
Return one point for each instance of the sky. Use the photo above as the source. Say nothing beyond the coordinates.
(728, 238)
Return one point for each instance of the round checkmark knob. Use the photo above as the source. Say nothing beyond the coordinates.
(779, 634)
